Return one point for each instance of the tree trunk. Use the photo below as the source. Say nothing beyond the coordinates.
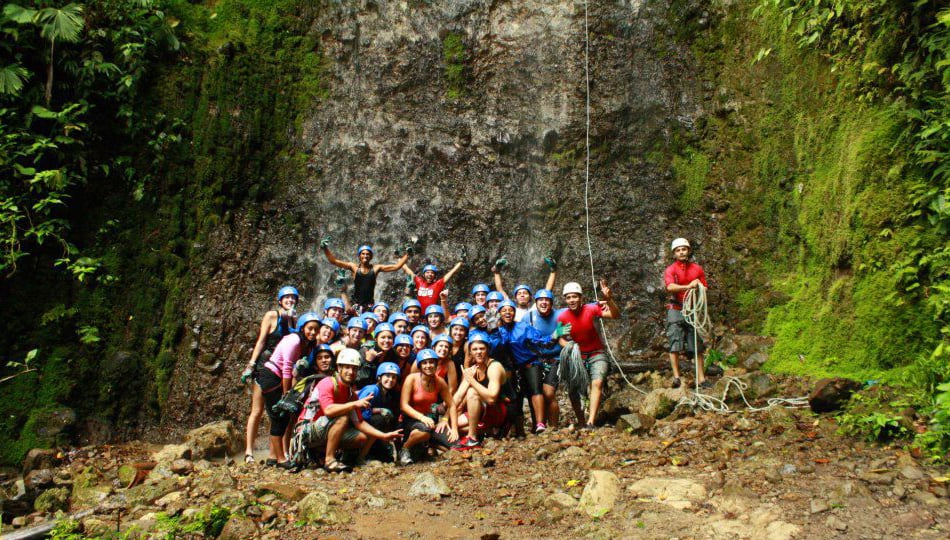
(49, 73)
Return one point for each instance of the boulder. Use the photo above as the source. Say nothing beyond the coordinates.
(429, 486)
(38, 480)
(600, 494)
(144, 494)
(560, 501)
(316, 509)
(52, 500)
(831, 394)
(238, 528)
(635, 423)
(89, 489)
(207, 483)
(169, 454)
(618, 404)
(95, 527)
(758, 385)
(231, 499)
(754, 361)
(659, 403)
(218, 439)
(182, 466)
(679, 493)
(41, 458)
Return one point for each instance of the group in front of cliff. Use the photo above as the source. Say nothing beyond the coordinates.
(360, 381)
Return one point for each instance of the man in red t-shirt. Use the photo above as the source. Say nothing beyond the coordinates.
(680, 277)
(581, 317)
(428, 288)
(338, 422)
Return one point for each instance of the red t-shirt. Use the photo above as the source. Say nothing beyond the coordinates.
(682, 273)
(583, 331)
(428, 294)
(331, 392)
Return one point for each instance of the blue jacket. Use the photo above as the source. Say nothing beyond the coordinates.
(382, 399)
(522, 343)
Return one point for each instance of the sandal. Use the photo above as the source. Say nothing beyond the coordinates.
(248, 458)
(336, 467)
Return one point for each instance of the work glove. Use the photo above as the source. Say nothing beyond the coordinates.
(246, 375)
(549, 260)
(410, 286)
(325, 243)
(340, 278)
(562, 330)
(410, 249)
(399, 251)
(499, 264)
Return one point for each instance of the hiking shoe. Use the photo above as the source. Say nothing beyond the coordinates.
(465, 443)
(271, 463)
(676, 382)
(405, 457)
(706, 384)
(540, 427)
(285, 465)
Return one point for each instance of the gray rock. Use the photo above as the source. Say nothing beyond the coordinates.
(52, 500)
(916, 519)
(818, 506)
(912, 473)
(38, 480)
(755, 361)
(41, 458)
(317, 509)
(600, 494)
(635, 423)
(834, 523)
(429, 486)
(218, 439)
(925, 498)
(182, 466)
(560, 500)
(618, 404)
(660, 402)
(144, 494)
(287, 492)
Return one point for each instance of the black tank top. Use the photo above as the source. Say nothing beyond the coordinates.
(364, 286)
(270, 342)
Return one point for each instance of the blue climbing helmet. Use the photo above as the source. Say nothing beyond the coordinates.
(411, 303)
(475, 311)
(387, 368)
(435, 309)
(432, 267)
(494, 295)
(332, 323)
(402, 339)
(481, 287)
(420, 328)
(383, 327)
(364, 247)
(380, 304)
(544, 293)
(460, 321)
(367, 316)
(478, 335)
(520, 287)
(426, 354)
(507, 303)
(443, 337)
(356, 322)
(323, 347)
(333, 303)
(287, 290)
(462, 306)
(305, 318)
(398, 316)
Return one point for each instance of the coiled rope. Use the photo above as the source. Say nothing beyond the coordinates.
(695, 308)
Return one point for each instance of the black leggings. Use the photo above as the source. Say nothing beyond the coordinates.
(272, 389)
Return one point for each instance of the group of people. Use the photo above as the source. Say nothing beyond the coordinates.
(402, 384)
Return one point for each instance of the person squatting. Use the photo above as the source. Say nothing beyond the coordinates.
(362, 381)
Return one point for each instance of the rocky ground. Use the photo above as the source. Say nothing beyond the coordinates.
(776, 474)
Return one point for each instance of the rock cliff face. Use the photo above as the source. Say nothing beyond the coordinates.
(462, 124)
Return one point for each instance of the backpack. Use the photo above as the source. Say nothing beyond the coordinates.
(292, 402)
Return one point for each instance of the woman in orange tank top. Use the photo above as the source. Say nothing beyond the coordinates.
(420, 392)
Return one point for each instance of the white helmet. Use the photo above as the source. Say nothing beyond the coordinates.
(348, 357)
(571, 287)
(679, 242)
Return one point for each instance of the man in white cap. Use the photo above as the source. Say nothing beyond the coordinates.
(581, 317)
(682, 276)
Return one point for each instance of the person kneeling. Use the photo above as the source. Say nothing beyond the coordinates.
(420, 394)
(337, 424)
(480, 393)
(383, 413)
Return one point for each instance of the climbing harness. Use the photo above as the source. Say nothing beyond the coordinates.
(694, 305)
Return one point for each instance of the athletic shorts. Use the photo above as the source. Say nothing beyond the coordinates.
(495, 415)
(384, 422)
(435, 439)
(680, 334)
(315, 433)
(529, 379)
(597, 366)
(549, 368)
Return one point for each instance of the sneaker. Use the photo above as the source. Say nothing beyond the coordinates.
(676, 382)
(405, 457)
(466, 443)
(540, 428)
(286, 465)
(271, 463)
